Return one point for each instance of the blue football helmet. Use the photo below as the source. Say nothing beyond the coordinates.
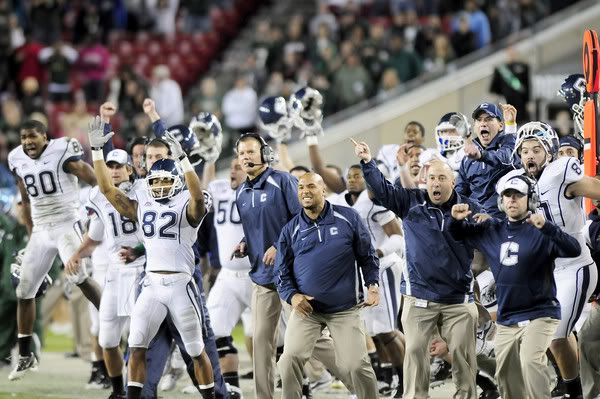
(189, 142)
(15, 275)
(274, 119)
(574, 93)
(207, 129)
(164, 169)
(305, 110)
(538, 131)
(451, 131)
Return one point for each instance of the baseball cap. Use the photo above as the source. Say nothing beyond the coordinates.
(490, 109)
(570, 141)
(516, 183)
(118, 156)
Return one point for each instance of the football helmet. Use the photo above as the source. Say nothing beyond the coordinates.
(207, 129)
(574, 93)
(451, 131)
(189, 142)
(305, 111)
(161, 170)
(538, 131)
(15, 274)
(274, 119)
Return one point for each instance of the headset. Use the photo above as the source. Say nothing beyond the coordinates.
(267, 155)
(533, 198)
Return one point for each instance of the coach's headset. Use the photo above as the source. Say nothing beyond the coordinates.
(267, 154)
(533, 199)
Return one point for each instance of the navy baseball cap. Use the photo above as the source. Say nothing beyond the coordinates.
(490, 109)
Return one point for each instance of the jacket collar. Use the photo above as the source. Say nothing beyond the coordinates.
(446, 206)
(325, 217)
(260, 180)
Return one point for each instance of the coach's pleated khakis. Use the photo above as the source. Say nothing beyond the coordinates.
(589, 353)
(349, 340)
(521, 362)
(457, 324)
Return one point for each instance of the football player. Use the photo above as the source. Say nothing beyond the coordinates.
(561, 185)
(47, 172)
(121, 279)
(169, 217)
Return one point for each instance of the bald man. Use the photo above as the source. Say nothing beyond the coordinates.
(319, 253)
(437, 283)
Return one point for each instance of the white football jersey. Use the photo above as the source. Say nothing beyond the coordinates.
(112, 228)
(167, 234)
(567, 213)
(375, 217)
(228, 224)
(53, 193)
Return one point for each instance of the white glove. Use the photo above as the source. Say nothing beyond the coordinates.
(176, 149)
(96, 133)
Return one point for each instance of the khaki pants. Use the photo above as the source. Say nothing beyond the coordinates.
(521, 359)
(266, 310)
(457, 325)
(349, 340)
(589, 354)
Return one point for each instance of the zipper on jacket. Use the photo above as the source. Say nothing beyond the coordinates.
(319, 232)
(314, 226)
(252, 198)
(440, 211)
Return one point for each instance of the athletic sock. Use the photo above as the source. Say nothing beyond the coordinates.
(207, 391)
(24, 344)
(117, 383)
(134, 391)
(232, 378)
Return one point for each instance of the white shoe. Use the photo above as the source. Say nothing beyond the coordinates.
(170, 379)
(322, 383)
(24, 364)
(234, 392)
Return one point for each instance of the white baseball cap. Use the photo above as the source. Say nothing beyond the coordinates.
(119, 156)
(516, 183)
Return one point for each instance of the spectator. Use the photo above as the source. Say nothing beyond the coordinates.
(406, 63)
(197, 15)
(479, 24)
(17, 36)
(93, 63)
(412, 28)
(27, 61)
(563, 123)
(323, 17)
(167, 95)
(502, 21)
(426, 36)
(351, 83)
(442, 54)
(239, 106)
(59, 59)
(511, 80)
(31, 97)
(163, 12)
(10, 121)
(531, 12)
(75, 123)
(205, 98)
(389, 82)
(45, 20)
(463, 38)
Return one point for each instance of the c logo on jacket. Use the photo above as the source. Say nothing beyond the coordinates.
(509, 253)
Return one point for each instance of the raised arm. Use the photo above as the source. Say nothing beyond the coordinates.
(331, 179)
(123, 204)
(195, 210)
(82, 170)
(563, 244)
(285, 162)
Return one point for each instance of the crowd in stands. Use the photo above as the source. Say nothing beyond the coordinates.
(59, 59)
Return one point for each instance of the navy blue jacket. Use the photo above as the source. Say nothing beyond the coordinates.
(521, 258)
(438, 267)
(594, 233)
(321, 258)
(265, 205)
(477, 178)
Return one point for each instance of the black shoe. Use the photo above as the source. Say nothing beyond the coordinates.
(560, 390)
(98, 380)
(385, 389)
(247, 376)
(440, 371)
(72, 355)
(120, 395)
(399, 392)
(490, 394)
(25, 364)
(306, 393)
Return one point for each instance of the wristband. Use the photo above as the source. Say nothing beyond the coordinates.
(97, 154)
(186, 165)
(312, 140)
(510, 123)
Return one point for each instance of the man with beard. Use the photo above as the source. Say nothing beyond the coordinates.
(561, 185)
